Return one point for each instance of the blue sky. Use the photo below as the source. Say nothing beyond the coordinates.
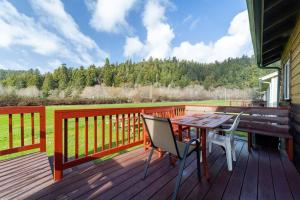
(45, 33)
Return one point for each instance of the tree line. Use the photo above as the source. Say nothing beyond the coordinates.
(231, 73)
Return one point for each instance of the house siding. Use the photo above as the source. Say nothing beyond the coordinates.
(292, 52)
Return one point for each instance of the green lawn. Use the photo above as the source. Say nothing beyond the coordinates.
(50, 125)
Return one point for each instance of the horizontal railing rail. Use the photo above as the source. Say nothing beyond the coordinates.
(25, 116)
(82, 135)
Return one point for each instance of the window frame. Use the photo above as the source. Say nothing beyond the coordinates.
(286, 80)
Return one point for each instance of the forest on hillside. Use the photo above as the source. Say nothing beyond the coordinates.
(233, 73)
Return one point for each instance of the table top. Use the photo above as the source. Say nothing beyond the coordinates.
(201, 120)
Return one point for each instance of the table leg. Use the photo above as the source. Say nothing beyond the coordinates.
(204, 159)
(180, 132)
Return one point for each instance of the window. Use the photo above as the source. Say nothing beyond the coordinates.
(286, 81)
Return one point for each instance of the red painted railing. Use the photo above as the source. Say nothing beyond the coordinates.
(113, 130)
(12, 113)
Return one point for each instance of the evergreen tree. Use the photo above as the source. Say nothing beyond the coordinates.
(231, 73)
(61, 76)
(48, 84)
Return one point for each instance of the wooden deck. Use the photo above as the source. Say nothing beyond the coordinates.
(262, 174)
(20, 177)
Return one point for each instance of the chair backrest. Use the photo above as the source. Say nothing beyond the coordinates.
(236, 122)
(160, 133)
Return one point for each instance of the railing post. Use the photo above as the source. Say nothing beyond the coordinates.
(43, 130)
(144, 133)
(58, 155)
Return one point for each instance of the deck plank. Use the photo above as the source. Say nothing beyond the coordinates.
(163, 180)
(131, 191)
(133, 172)
(249, 189)
(292, 175)
(218, 187)
(192, 181)
(97, 179)
(235, 183)
(17, 159)
(265, 189)
(20, 163)
(265, 180)
(201, 189)
(281, 186)
(78, 175)
(260, 174)
(166, 191)
(25, 176)
(131, 182)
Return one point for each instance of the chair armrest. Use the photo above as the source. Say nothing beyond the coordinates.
(222, 129)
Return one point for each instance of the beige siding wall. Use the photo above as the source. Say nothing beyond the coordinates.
(292, 52)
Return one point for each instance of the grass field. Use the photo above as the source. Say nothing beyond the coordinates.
(50, 125)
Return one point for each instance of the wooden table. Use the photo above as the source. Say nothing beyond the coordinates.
(201, 122)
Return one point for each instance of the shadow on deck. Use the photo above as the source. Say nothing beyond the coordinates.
(262, 174)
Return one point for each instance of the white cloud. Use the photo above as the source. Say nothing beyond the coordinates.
(159, 32)
(53, 36)
(197, 52)
(133, 46)
(18, 29)
(110, 15)
(235, 43)
(52, 13)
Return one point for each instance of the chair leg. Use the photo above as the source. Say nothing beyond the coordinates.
(233, 151)
(209, 140)
(228, 156)
(148, 163)
(209, 146)
(198, 164)
(178, 179)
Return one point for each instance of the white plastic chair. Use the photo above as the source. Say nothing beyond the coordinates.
(227, 141)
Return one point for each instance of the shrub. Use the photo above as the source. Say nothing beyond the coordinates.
(100, 94)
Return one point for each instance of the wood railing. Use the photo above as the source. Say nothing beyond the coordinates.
(25, 116)
(83, 135)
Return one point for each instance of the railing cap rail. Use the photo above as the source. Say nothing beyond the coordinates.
(90, 112)
(21, 109)
(244, 107)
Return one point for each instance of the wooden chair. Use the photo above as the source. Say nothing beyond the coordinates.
(162, 136)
